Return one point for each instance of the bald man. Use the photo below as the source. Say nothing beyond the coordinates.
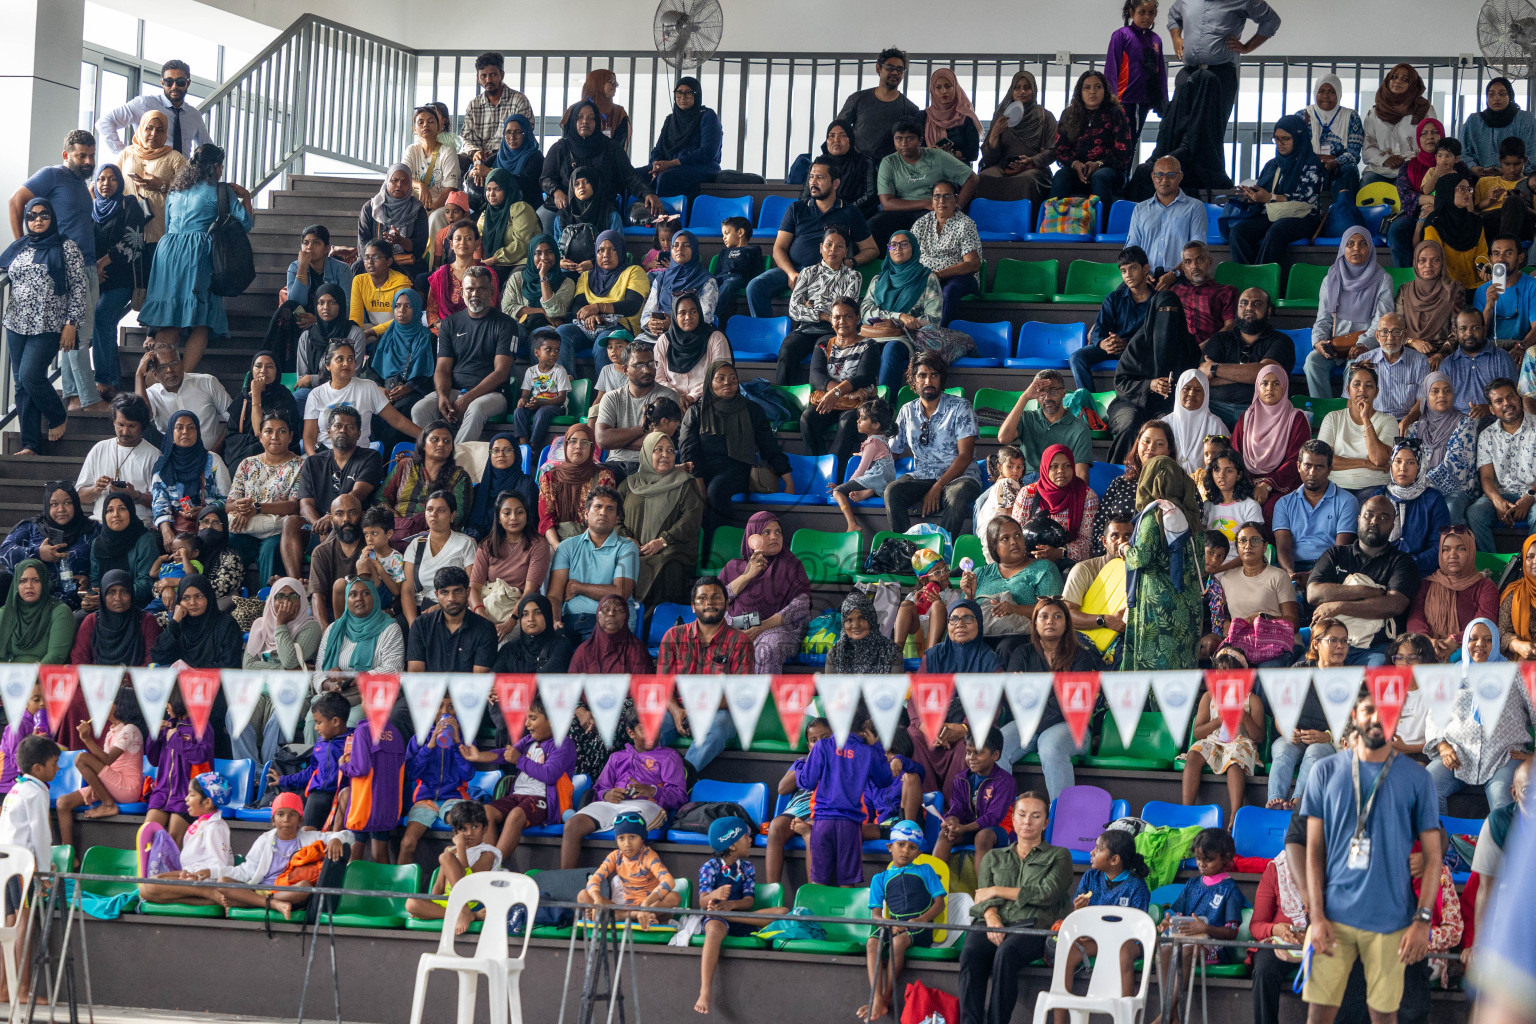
(1163, 224)
(335, 556)
(1373, 555)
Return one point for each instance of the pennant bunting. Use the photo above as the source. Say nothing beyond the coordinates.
(931, 695)
(199, 686)
(979, 695)
(152, 687)
(700, 697)
(1389, 686)
(839, 698)
(791, 697)
(1028, 693)
(1177, 694)
(746, 697)
(469, 692)
(1229, 690)
(287, 690)
(17, 682)
(1076, 693)
(605, 700)
(423, 697)
(1337, 689)
(1490, 682)
(883, 696)
(559, 694)
(1126, 693)
(379, 691)
(242, 690)
(1439, 686)
(514, 694)
(99, 685)
(1285, 690)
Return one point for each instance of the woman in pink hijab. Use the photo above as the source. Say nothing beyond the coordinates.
(952, 122)
(1269, 436)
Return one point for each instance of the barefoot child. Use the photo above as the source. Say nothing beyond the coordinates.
(439, 778)
(838, 775)
(1116, 877)
(1211, 904)
(179, 756)
(24, 823)
(980, 800)
(269, 857)
(542, 788)
(205, 850)
(112, 775)
(1237, 756)
(904, 891)
(641, 778)
(319, 781)
(727, 881)
(468, 853)
(640, 880)
(796, 817)
(876, 469)
(33, 722)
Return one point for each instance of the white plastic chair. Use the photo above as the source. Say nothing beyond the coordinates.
(18, 863)
(498, 892)
(1110, 928)
(957, 911)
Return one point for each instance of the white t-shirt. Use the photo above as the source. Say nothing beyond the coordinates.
(200, 394)
(546, 383)
(1348, 439)
(1413, 720)
(474, 853)
(1229, 516)
(527, 785)
(111, 460)
(459, 550)
(363, 395)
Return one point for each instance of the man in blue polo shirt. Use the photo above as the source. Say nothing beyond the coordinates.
(65, 185)
(592, 565)
(799, 240)
(1315, 516)
(1510, 320)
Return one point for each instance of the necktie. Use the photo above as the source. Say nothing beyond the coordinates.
(176, 129)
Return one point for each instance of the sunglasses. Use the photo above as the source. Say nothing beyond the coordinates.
(925, 436)
(173, 83)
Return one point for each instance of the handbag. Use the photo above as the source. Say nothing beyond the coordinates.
(501, 599)
(233, 264)
(924, 1005)
(949, 343)
(841, 403)
(1262, 638)
(1069, 215)
(1284, 209)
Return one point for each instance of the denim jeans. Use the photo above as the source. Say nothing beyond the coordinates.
(1054, 745)
(706, 750)
(258, 743)
(1371, 657)
(1083, 361)
(1496, 788)
(1293, 761)
(894, 360)
(31, 355)
(1457, 503)
(75, 374)
(762, 289)
(1319, 369)
(730, 285)
(109, 313)
(533, 424)
(955, 289)
(1228, 412)
(1481, 517)
(1400, 240)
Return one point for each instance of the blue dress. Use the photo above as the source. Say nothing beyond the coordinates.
(178, 294)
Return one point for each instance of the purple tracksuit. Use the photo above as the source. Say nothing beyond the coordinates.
(884, 802)
(437, 773)
(14, 734)
(178, 755)
(987, 801)
(661, 767)
(1135, 67)
(557, 765)
(839, 776)
(324, 768)
(376, 770)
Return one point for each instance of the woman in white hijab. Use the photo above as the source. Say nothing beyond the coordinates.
(1338, 134)
(1192, 420)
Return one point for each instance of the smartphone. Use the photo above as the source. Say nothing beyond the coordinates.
(54, 535)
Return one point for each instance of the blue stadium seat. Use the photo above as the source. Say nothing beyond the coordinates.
(1301, 341)
(751, 796)
(709, 211)
(253, 813)
(579, 786)
(812, 476)
(1119, 221)
(1102, 474)
(770, 213)
(377, 446)
(67, 779)
(1212, 229)
(1000, 220)
(664, 617)
(991, 342)
(482, 786)
(903, 465)
(1259, 831)
(527, 453)
(757, 339)
(238, 774)
(671, 204)
(1461, 827)
(1047, 346)
(403, 448)
(1160, 812)
(795, 842)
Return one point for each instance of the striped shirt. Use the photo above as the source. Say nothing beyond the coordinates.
(636, 878)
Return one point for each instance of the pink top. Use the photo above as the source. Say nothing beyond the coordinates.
(524, 568)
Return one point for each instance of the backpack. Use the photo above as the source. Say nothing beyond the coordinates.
(799, 170)
(578, 243)
(1341, 216)
(892, 558)
(773, 404)
(906, 896)
(234, 265)
(788, 927)
(1069, 215)
(820, 634)
(696, 815)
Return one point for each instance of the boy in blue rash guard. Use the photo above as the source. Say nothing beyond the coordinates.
(903, 891)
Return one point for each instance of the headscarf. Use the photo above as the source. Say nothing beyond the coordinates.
(363, 633)
(118, 638)
(1163, 344)
(391, 212)
(596, 211)
(614, 652)
(686, 348)
(263, 638)
(493, 481)
(407, 348)
(682, 129)
(1459, 229)
(781, 582)
(1422, 161)
(1055, 500)
(942, 119)
(516, 161)
(658, 494)
(1494, 654)
(1435, 428)
(1392, 107)
(1427, 306)
(580, 150)
(24, 627)
(1164, 479)
(1350, 291)
(185, 466)
(111, 547)
(569, 479)
(78, 523)
(143, 153)
(1521, 593)
(851, 166)
(104, 211)
(533, 289)
(1190, 428)
(1440, 606)
(899, 286)
(1324, 120)
(728, 417)
(1267, 428)
(872, 655)
(541, 652)
(201, 640)
(1500, 118)
(47, 246)
(1293, 164)
(600, 281)
(496, 217)
(211, 543)
(947, 656)
(1400, 495)
(327, 331)
(678, 277)
(1029, 132)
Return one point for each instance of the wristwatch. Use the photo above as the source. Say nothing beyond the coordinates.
(1424, 916)
(1100, 621)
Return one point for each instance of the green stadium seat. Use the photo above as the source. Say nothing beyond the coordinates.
(660, 934)
(797, 396)
(435, 924)
(906, 395)
(724, 546)
(990, 398)
(968, 545)
(1101, 403)
(577, 405)
(106, 860)
(289, 381)
(61, 858)
(1239, 969)
(376, 911)
(1243, 276)
(831, 901)
(180, 909)
(1023, 281)
(827, 557)
(1302, 286)
(932, 542)
(1088, 281)
(1151, 749)
(1493, 561)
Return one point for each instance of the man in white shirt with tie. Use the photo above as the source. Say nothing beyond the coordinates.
(188, 131)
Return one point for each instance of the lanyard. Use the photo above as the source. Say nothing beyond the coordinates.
(1363, 815)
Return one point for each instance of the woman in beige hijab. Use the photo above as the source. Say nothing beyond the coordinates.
(149, 165)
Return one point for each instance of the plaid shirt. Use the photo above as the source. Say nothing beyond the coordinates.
(483, 121)
(1207, 308)
(682, 650)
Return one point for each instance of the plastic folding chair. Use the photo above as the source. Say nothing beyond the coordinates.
(757, 339)
(1109, 928)
(991, 342)
(1078, 815)
(709, 212)
(1047, 346)
(15, 863)
(497, 892)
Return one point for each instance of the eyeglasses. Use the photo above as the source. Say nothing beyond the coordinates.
(906, 246)
(1382, 332)
(1333, 639)
(39, 215)
(374, 257)
(1405, 659)
(1164, 175)
(944, 197)
(173, 83)
(900, 69)
(578, 442)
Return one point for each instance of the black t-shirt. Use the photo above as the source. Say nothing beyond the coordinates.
(1392, 569)
(1296, 833)
(321, 479)
(473, 344)
(1228, 347)
(807, 223)
(1026, 658)
(471, 646)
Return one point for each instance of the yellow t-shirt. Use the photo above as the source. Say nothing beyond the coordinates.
(1485, 187)
(374, 308)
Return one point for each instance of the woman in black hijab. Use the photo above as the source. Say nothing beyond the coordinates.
(65, 530)
(687, 150)
(536, 646)
(331, 324)
(1192, 133)
(204, 636)
(583, 145)
(124, 543)
(854, 171)
(261, 392)
(1160, 350)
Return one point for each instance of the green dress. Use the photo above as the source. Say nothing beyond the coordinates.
(1162, 625)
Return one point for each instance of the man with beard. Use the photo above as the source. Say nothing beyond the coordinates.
(622, 410)
(336, 556)
(474, 361)
(1314, 517)
(187, 129)
(346, 469)
(798, 243)
(874, 112)
(123, 462)
(939, 430)
(1394, 581)
(1474, 364)
(1365, 807)
(592, 565)
(65, 186)
(1506, 467)
(1035, 430)
(706, 646)
(1399, 369)
(449, 637)
(1233, 357)
(1208, 307)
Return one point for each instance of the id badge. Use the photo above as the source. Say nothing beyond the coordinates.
(1359, 853)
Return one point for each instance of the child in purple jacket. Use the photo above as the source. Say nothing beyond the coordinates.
(980, 800)
(34, 721)
(321, 779)
(1135, 67)
(179, 757)
(439, 776)
(839, 777)
(541, 789)
(373, 772)
(902, 800)
(641, 778)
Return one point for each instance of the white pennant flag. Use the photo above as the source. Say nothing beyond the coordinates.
(287, 690)
(1176, 694)
(468, 691)
(423, 696)
(1126, 693)
(700, 697)
(979, 695)
(242, 689)
(1439, 686)
(99, 685)
(1028, 694)
(746, 696)
(1337, 689)
(839, 699)
(152, 686)
(1285, 690)
(559, 695)
(605, 699)
(884, 696)
(16, 685)
(1490, 682)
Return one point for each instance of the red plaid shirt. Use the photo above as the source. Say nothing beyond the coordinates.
(684, 651)
(1207, 308)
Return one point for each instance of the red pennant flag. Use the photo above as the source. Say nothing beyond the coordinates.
(1528, 673)
(198, 688)
(792, 695)
(931, 695)
(1389, 687)
(650, 694)
(379, 691)
(1229, 689)
(59, 685)
(1076, 693)
(515, 694)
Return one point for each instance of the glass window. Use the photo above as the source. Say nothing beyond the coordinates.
(87, 95)
(112, 29)
(163, 43)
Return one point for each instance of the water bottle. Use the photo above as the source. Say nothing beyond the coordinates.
(443, 732)
(67, 584)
